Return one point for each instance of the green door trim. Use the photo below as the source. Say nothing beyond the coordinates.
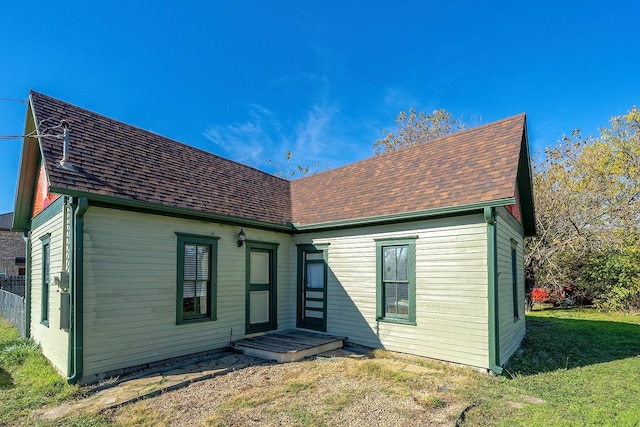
(272, 324)
(300, 306)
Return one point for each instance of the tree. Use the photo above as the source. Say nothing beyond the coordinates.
(587, 198)
(415, 128)
(288, 170)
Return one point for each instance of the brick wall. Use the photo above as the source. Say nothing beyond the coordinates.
(11, 246)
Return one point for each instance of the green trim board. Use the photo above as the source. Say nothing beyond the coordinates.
(407, 216)
(385, 245)
(492, 283)
(45, 242)
(514, 279)
(525, 187)
(75, 366)
(157, 209)
(302, 320)
(197, 241)
(270, 286)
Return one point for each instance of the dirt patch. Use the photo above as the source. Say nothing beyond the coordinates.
(347, 389)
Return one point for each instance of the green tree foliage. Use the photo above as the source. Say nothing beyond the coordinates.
(587, 198)
(417, 127)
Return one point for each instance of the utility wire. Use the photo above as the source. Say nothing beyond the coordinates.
(24, 101)
(34, 134)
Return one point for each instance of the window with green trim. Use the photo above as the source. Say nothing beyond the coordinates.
(514, 278)
(46, 266)
(396, 275)
(196, 278)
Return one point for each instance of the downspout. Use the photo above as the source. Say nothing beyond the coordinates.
(492, 270)
(27, 286)
(75, 352)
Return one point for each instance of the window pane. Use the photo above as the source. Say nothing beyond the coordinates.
(315, 275)
(403, 298)
(190, 262)
(203, 263)
(401, 264)
(389, 266)
(194, 299)
(189, 289)
(390, 295)
(259, 267)
(259, 302)
(314, 256)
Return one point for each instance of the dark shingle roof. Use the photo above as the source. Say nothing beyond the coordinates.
(473, 166)
(118, 160)
(6, 219)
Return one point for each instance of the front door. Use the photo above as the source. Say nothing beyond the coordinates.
(261, 287)
(312, 288)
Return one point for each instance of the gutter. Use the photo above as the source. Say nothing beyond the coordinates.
(76, 330)
(492, 270)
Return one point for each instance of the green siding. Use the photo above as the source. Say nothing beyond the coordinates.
(52, 339)
(451, 288)
(512, 330)
(130, 288)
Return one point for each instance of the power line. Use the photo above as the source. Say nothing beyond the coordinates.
(24, 101)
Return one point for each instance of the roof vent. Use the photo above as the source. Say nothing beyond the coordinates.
(65, 163)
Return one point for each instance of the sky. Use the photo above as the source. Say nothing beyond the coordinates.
(251, 80)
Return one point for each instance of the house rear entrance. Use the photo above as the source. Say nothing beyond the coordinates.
(312, 288)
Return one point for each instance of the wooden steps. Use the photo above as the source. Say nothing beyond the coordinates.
(288, 346)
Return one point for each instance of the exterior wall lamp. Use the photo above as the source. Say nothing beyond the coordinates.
(241, 238)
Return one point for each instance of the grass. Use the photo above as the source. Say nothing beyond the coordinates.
(584, 364)
(27, 380)
(575, 367)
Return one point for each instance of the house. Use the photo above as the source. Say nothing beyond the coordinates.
(12, 248)
(143, 249)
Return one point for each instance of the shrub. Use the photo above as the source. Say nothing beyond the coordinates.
(540, 295)
(615, 276)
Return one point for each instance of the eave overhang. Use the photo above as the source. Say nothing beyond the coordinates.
(28, 174)
(405, 217)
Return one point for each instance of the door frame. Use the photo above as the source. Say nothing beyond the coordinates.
(272, 324)
(300, 319)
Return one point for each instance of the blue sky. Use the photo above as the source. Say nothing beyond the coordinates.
(250, 80)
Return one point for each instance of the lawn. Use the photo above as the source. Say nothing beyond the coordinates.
(584, 365)
(575, 367)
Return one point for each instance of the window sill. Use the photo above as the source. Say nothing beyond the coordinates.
(397, 321)
(44, 323)
(195, 320)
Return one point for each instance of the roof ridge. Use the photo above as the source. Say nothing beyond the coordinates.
(155, 134)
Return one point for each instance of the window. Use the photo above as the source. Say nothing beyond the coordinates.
(196, 278)
(514, 278)
(46, 265)
(396, 288)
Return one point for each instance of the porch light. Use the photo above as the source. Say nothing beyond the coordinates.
(241, 238)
